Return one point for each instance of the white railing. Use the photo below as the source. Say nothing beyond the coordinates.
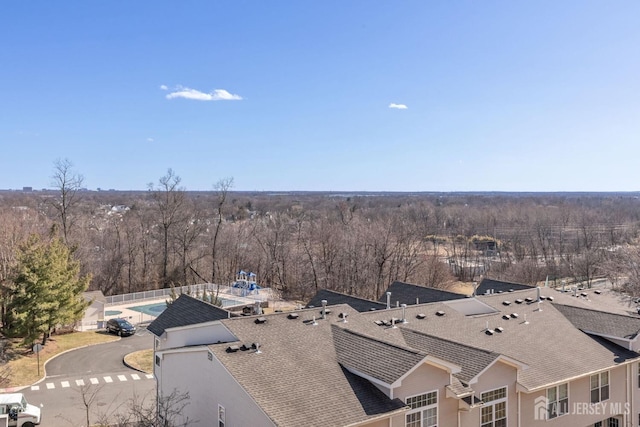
(225, 292)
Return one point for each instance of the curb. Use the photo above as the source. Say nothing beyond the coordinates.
(44, 367)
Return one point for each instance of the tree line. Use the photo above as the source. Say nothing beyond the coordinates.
(300, 242)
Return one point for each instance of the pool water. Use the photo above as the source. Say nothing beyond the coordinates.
(158, 307)
(112, 312)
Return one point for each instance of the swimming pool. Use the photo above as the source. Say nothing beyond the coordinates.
(156, 308)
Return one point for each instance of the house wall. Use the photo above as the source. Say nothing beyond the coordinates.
(209, 385)
(206, 333)
(428, 378)
(497, 376)
(581, 412)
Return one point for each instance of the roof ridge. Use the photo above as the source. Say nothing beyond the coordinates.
(427, 287)
(596, 311)
(350, 296)
(406, 330)
(371, 338)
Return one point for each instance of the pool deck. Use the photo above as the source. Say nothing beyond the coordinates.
(137, 317)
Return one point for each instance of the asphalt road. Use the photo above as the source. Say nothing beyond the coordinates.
(95, 374)
(99, 358)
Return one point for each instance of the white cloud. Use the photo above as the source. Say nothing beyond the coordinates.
(164, 87)
(215, 95)
(398, 106)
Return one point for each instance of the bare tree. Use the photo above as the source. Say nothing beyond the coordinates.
(67, 182)
(222, 188)
(168, 199)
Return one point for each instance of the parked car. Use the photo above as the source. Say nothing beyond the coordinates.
(121, 327)
(19, 413)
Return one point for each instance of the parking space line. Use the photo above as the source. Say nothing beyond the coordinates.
(35, 387)
(80, 382)
(149, 376)
(64, 384)
(94, 381)
(51, 386)
(135, 377)
(108, 380)
(122, 377)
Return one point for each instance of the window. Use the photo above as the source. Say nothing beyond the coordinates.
(599, 387)
(221, 416)
(557, 401)
(609, 422)
(424, 410)
(157, 360)
(494, 411)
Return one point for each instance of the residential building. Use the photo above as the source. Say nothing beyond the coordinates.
(504, 359)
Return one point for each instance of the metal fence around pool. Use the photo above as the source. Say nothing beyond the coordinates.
(224, 290)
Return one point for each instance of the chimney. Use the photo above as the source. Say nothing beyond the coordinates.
(388, 300)
(404, 318)
(538, 293)
(324, 309)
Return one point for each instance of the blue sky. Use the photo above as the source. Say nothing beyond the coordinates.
(323, 95)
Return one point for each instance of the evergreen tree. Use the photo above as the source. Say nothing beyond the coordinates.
(48, 290)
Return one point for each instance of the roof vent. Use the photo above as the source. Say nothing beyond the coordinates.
(489, 332)
(261, 320)
(343, 316)
(421, 316)
(245, 347)
(506, 317)
(499, 329)
(506, 302)
(379, 322)
(232, 349)
(528, 299)
(372, 309)
(597, 291)
(514, 315)
(510, 290)
(542, 297)
(256, 347)
(440, 313)
(293, 316)
(549, 298)
(500, 292)
(519, 301)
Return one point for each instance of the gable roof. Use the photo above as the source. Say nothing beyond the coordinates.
(499, 286)
(600, 322)
(186, 310)
(406, 293)
(472, 360)
(312, 388)
(334, 298)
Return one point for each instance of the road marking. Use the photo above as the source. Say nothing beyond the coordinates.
(135, 377)
(108, 380)
(149, 376)
(64, 384)
(79, 382)
(35, 387)
(50, 386)
(122, 378)
(94, 381)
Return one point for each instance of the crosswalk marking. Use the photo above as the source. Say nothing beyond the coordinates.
(95, 381)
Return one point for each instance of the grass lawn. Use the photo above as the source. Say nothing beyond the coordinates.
(141, 360)
(23, 364)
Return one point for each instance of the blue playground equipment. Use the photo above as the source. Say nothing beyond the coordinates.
(246, 283)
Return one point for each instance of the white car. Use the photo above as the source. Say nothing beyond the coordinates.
(19, 412)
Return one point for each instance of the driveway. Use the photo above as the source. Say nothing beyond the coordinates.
(100, 358)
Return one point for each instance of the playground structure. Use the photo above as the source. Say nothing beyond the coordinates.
(245, 284)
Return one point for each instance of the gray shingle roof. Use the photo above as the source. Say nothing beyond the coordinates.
(334, 298)
(406, 293)
(471, 360)
(186, 310)
(600, 322)
(372, 357)
(499, 286)
(297, 380)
